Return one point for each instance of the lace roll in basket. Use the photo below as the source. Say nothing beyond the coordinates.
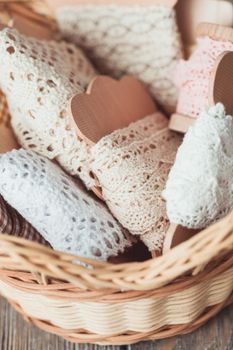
(38, 79)
(192, 76)
(132, 166)
(199, 187)
(139, 38)
(11, 222)
(131, 153)
(59, 207)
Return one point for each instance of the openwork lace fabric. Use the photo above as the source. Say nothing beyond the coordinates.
(59, 208)
(199, 188)
(38, 79)
(132, 166)
(138, 40)
(192, 76)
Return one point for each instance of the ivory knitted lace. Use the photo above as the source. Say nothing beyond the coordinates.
(39, 77)
(59, 208)
(132, 166)
(138, 40)
(199, 188)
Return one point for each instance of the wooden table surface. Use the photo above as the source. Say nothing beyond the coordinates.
(15, 334)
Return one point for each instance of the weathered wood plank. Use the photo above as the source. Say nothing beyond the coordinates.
(15, 334)
(217, 334)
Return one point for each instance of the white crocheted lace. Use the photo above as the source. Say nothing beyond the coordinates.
(132, 165)
(39, 77)
(59, 207)
(199, 188)
(138, 40)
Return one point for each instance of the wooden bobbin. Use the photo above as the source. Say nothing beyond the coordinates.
(58, 3)
(179, 122)
(215, 31)
(7, 139)
(221, 82)
(220, 90)
(23, 19)
(109, 105)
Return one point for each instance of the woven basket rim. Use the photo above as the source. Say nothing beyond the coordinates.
(23, 255)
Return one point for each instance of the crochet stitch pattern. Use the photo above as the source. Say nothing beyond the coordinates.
(59, 207)
(199, 187)
(38, 79)
(132, 166)
(192, 76)
(139, 40)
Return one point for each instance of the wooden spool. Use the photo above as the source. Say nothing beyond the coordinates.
(220, 90)
(179, 122)
(108, 105)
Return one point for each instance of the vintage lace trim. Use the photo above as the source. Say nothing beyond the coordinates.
(68, 217)
(39, 77)
(199, 188)
(140, 40)
(193, 76)
(132, 166)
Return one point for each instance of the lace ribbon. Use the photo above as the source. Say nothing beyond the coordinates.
(141, 40)
(199, 187)
(132, 166)
(192, 76)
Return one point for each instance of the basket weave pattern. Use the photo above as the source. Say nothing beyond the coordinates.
(117, 304)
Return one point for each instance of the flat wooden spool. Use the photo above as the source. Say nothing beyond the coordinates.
(7, 139)
(177, 235)
(215, 31)
(220, 90)
(221, 82)
(109, 105)
(25, 22)
(179, 122)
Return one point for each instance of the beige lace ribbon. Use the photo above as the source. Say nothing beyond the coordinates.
(132, 166)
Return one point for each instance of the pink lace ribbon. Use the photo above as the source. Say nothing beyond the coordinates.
(192, 76)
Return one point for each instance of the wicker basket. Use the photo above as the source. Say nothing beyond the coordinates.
(117, 304)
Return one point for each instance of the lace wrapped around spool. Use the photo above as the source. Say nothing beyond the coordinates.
(193, 76)
(137, 39)
(132, 166)
(38, 79)
(199, 187)
(59, 207)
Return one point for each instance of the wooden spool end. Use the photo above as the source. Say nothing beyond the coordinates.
(215, 31)
(180, 123)
(176, 235)
(220, 90)
(26, 22)
(108, 105)
(221, 82)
